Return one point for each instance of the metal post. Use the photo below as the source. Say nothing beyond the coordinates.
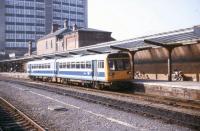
(1, 67)
(132, 54)
(169, 50)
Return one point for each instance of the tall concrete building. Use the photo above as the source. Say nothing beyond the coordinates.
(28, 20)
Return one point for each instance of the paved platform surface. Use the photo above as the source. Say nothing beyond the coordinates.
(178, 84)
(179, 89)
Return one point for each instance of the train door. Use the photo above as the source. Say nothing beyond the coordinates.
(57, 68)
(29, 68)
(94, 70)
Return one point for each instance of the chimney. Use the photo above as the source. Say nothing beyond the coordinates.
(75, 27)
(30, 48)
(66, 24)
(54, 28)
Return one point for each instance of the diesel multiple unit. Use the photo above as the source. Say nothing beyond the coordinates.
(91, 70)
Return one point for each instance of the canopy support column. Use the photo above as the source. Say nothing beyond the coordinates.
(169, 63)
(169, 49)
(132, 55)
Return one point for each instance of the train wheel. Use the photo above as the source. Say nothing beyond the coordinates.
(97, 85)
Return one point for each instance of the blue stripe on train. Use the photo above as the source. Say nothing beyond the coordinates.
(101, 74)
(75, 73)
(43, 72)
(80, 73)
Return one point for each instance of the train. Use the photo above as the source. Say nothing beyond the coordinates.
(98, 70)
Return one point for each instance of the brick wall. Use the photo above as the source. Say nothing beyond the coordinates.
(43, 49)
(154, 62)
(71, 41)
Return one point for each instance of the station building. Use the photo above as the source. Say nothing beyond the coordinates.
(64, 39)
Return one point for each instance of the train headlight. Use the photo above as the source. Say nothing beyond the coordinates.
(111, 74)
(129, 72)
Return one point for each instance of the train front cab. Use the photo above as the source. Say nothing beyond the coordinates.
(118, 68)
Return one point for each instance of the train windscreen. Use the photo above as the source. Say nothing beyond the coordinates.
(119, 62)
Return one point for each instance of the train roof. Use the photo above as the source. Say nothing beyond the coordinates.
(75, 58)
(41, 61)
(86, 57)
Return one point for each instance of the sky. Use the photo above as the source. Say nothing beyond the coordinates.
(133, 18)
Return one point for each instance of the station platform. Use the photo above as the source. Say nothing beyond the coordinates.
(178, 89)
(14, 75)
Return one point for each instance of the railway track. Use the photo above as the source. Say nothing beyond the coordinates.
(147, 108)
(176, 102)
(11, 119)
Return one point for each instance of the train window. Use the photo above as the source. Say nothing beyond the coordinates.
(73, 65)
(101, 64)
(112, 65)
(68, 65)
(127, 65)
(60, 65)
(64, 65)
(77, 65)
(48, 66)
(119, 64)
(88, 64)
(83, 65)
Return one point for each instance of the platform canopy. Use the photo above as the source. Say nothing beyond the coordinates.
(175, 38)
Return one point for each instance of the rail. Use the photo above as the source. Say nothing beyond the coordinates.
(13, 119)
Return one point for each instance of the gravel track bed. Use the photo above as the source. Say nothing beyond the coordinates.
(112, 95)
(79, 115)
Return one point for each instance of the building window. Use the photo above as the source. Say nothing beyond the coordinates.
(46, 45)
